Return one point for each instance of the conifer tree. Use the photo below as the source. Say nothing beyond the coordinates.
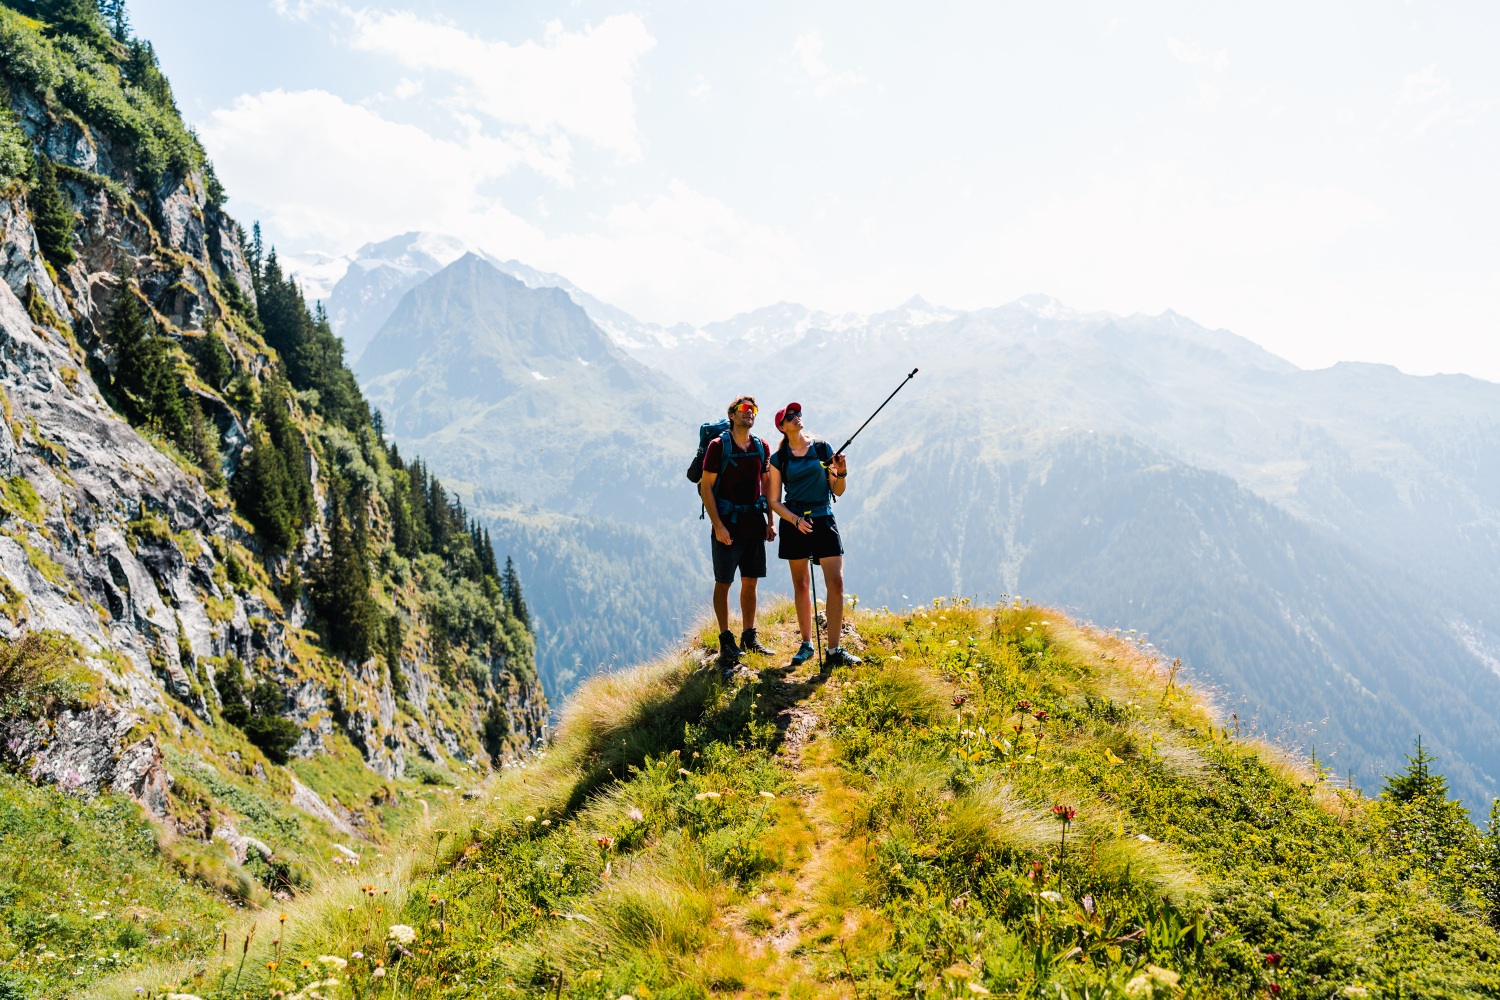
(214, 365)
(1417, 780)
(510, 586)
(263, 494)
(51, 215)
(341, 587)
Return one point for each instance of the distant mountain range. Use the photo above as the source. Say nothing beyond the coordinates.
(1321, 547)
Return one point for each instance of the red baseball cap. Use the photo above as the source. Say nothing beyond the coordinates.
(787, 411)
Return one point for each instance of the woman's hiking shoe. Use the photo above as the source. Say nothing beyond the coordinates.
(729, 653)
(803, 654)
(750, 644)
(838, 656)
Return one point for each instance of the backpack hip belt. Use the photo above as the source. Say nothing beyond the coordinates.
(730, 512)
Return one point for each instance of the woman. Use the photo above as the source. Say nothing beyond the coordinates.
(812, 476)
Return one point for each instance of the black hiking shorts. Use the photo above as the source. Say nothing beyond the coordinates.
(823, 543)
(748, 555)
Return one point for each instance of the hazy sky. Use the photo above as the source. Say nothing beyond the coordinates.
(1318, 177)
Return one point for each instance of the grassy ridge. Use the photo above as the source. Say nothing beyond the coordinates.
(997, 802)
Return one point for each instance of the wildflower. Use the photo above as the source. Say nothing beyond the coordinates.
(1275, 988)
(684, 772)
(530, 819)
(379, 972)
(636, 815)
(959, 699)
(1023, 706)
(1040, 715)
(605, 843)
(706, 795)
(768, 795)
(976, 988)
(1063, 813)
(1046, 623)
(401, 933)
(1274, 958)
(333, 961)
(953, 642)
(357, 955)
(546, 822)
(1052, 897)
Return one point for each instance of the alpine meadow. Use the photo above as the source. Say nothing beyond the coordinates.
(361, 637)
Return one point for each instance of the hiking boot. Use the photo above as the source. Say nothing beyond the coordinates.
(729, 653)
(803, 654)
(750, 644)
(838, 656)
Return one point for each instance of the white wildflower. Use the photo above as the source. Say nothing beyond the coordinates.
(401, 933)
(636, 815)
(333, 961)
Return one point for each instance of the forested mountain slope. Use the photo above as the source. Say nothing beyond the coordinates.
(221, 593)
(998, 801)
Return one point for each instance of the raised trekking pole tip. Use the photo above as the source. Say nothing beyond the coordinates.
(846, 444)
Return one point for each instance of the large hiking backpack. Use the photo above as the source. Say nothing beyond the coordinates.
(706, 433)
(720, 429)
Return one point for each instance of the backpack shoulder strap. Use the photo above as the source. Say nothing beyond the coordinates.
(726, 445)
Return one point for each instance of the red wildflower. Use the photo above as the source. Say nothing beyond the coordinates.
(1041, 715)
(1023, 706)
(1273, 958)
(1064, 813)
(959, 699)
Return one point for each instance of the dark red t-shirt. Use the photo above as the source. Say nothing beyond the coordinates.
(740, 482)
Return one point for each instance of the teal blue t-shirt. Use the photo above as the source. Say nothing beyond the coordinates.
(805, 478)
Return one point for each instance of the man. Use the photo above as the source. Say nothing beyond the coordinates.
(733, 488)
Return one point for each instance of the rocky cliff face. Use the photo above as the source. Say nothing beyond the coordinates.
(111, 540)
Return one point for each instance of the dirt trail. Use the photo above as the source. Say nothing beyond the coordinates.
(791, 695)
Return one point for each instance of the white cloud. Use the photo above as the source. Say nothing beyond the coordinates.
(322, 172)
(1192, 53)
(579, 83)
(679, 255)
(1425, 100)
(809, 52)
(701, 90)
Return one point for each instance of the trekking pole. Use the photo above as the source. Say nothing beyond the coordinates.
(812, 577)
(877, 412)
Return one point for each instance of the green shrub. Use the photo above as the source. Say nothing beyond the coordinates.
(41, 674)
(258, 712)
(15, 153)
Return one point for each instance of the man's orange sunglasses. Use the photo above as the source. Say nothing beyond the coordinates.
(746, 408)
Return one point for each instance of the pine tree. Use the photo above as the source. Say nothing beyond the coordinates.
(510, 585)
(147, 383)
(51, 214)
(1417, 780)
(341, 587)
(115, 16)
(213, 362)
(263, 494)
